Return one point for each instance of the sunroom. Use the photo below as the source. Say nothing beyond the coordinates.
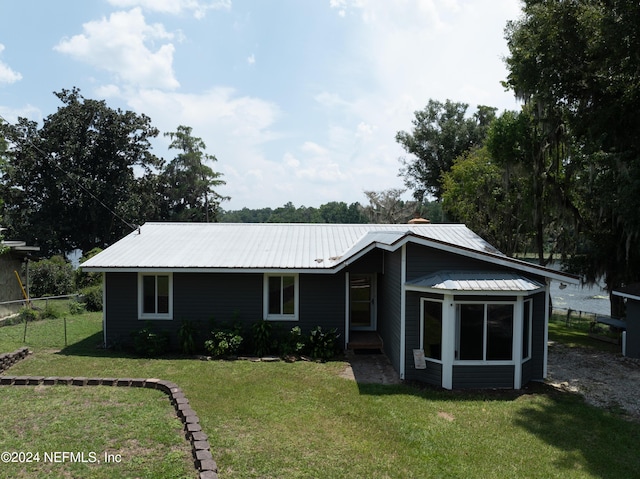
(477, 329)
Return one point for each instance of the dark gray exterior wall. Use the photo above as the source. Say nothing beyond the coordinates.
(433, 373)
(222, 297)
(389, 305)
(121, 307)
(536, 363)
(482, 377)
(633, 328)
(322, 302)
(422, 260)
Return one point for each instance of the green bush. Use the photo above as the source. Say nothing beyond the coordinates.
(50, 277)
(225, 340)
(323, 345)
(92, 298)
(49, 312)
(28, 314)
(293, 342)
(150, 343)
(262, 338)
(186, 337)
(84, 280)
(76, 307)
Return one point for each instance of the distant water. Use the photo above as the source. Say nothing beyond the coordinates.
(589, 299)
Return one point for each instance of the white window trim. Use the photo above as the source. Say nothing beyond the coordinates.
(145, 316)
(484, 361)
(296, 298)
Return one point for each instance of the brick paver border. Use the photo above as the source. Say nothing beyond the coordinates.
(203, 460)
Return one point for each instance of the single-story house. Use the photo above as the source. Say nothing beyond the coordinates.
(449, 309)
(631, 294)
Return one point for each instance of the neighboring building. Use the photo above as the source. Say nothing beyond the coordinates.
(447, 307)
(631, 294)
(11, 261)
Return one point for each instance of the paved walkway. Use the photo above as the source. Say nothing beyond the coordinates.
(370, 369)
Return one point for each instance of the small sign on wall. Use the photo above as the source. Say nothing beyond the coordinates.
(418, 359)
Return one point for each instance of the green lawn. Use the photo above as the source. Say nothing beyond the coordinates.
(301, 420)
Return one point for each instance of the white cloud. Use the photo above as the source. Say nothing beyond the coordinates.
(8, 75)
(175, 7)
(251, 59)
(120, 45)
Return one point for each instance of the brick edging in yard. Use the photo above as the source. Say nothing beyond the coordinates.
(203, 460)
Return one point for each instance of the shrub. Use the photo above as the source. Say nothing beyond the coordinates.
(49, 312)
(75, 307)
(92, 298)
(28, 314)
(225, 341)
(84, 280)
(186, 336)
(53, 277)
(150, 343)
(323, 345)
(292, 343)
(262, 338)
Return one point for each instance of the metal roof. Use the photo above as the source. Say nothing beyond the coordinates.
(475, 281)
(264, 245)
(274, 246)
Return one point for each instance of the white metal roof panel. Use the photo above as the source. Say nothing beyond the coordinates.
(480, 281)
(265, 245)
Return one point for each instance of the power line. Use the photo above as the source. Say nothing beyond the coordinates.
(49, 156)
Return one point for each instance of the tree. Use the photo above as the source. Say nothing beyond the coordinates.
(188, 182)
(388, 207)
(441, 133)
(474, 193)
(70, 183)
(577, 63)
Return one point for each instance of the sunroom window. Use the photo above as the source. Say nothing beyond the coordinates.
(432, 327)
(484, 332)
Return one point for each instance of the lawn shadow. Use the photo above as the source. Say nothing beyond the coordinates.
(599, 442)
(605, 440)
(92, 346)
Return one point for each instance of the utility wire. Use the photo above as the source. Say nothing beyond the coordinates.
(50, 156)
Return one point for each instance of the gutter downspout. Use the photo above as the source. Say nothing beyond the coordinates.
(403, 308)
(547, 303)
(104, 310)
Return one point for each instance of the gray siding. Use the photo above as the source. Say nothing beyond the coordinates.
(633, 328)
(431, 375)
(121, 307)
(322, 302)
(422, 260)
(221, 297)
(412, 323)
(389, 307)
(482, 377)
(537, 338)
(527, 373)
(372, 262)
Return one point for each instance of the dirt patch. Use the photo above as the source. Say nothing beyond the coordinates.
(606, 380)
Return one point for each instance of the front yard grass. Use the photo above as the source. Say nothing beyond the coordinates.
(301, 420)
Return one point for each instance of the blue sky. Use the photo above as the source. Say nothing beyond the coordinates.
(299, 100)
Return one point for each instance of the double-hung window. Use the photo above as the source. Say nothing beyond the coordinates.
(281, 297)
(155, 296)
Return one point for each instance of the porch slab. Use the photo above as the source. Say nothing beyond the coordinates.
(370, 340)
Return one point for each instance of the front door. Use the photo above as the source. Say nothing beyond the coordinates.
(362, 294)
